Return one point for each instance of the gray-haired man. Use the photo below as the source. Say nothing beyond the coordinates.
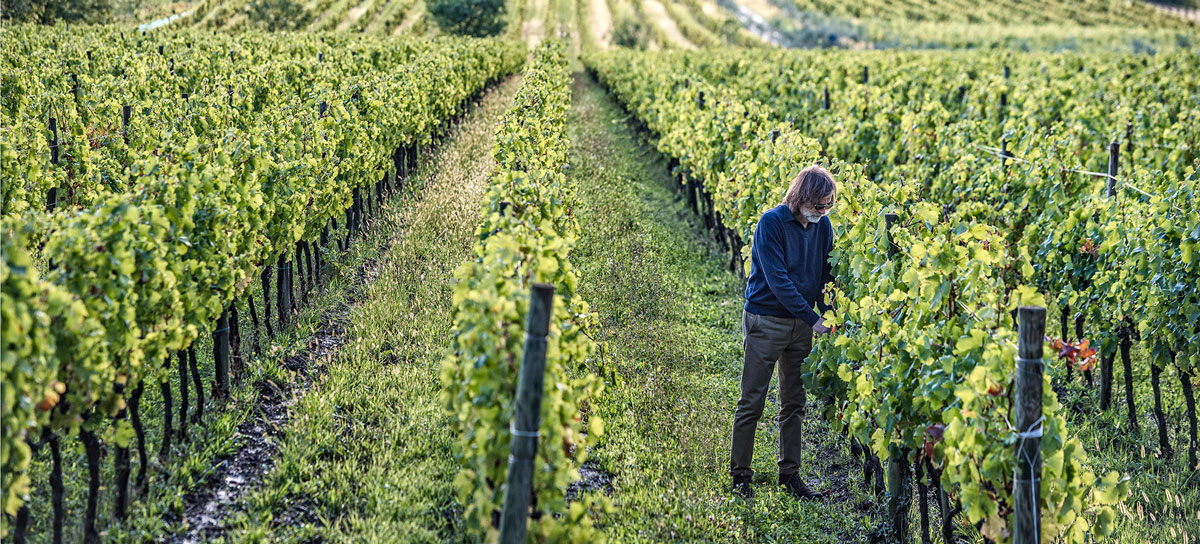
(789, 267)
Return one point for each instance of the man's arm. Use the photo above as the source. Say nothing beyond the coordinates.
(768, 241)
(826, 275)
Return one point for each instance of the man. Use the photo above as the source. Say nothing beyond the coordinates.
(789, 266)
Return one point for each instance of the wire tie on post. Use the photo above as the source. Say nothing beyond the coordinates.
(523, 434)
(1034, 431)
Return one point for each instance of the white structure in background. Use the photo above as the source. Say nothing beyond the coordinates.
(161, 22)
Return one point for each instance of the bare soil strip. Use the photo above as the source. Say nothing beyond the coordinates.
(533, 29)
(655, 10)
(410, 19)
(212, 510)
(354, 15)
(601, 23)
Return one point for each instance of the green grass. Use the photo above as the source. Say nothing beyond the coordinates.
(671, 314)
(193, 460)
(1165, 500)
(160, 511)
(367, 454)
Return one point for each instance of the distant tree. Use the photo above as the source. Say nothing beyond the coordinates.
(49, 11)
(469, 17)
(278, 14)
(629, 31)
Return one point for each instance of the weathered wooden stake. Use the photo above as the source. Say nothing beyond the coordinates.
(1003, 155)
(199, 413)
(221, 355)
(183, 394)
(236, 356)
(1028, 420)
(56, 483)
(164, 387)
(91, 447)
(888, 220)
(126, 113)
(254, 323)
(899, 479)
(1113, 152)
(121, 471)
(899, 487)
(52, 194)
(527, 419)
(923, 501)
(266, 289)
(283, 290)
(1128, 140)
(135, 402)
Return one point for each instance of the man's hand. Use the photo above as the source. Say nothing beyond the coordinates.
(820, 328)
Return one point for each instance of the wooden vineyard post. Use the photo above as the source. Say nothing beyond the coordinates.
(1003, 155)
(181, 355)
(1027, 406)
(52, 194)
(91, 447)
(527, 419)
(221, 354)
(164, 388)
(826, 104)
(1106, 362)
(191, 351)
(298, 271)
(283, 290)
(56, 483)
(1129, 139)
(899, 477)
(1114, 150)
(126, 112)
(266, 295)
(888, 220)
(899, 497)
(397, 167)
(140, 432)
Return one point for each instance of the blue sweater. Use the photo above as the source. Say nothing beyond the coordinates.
(789, 266)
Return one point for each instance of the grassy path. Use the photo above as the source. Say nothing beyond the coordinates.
(366, 454)
(671, 315)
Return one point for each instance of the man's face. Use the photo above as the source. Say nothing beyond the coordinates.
(814, 211)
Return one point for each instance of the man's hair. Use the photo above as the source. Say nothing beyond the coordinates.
(811, 185)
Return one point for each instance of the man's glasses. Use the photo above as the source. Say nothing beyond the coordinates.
(823, 207)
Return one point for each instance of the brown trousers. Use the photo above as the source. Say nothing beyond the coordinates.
(767, 340)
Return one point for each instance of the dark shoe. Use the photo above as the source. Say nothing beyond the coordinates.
(741, 486)
(796, 488)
